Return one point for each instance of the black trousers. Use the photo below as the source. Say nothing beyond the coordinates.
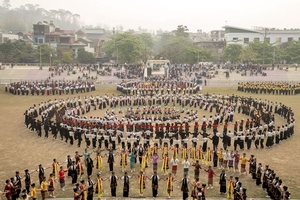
(111, 167)
(113, 191)
(74, 177)
(154, 192)
(89, 171)
(185, 195)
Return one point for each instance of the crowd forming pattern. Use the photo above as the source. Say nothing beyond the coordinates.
(147, 120)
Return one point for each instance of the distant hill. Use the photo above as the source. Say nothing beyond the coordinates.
(22, 18)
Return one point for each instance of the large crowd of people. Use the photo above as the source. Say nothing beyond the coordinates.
(48, 87)
(158, 86)
(84, 174)
(270, 87)
(169, 125)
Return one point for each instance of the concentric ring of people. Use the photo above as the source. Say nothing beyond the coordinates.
(48, 87)
(160, 116)
(158, 86)
(270, 87)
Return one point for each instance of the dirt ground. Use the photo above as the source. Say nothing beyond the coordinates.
(22, 149)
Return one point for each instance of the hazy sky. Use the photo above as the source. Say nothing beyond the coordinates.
(167, 14)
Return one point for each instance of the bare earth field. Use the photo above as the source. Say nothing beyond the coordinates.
(22, 149)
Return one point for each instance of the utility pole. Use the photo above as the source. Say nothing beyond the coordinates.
(40, 56)
(264, 44)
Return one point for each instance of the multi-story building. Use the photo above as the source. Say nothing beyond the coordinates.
(237, 35)
(213, 42)
(40, 29)
(4, 37)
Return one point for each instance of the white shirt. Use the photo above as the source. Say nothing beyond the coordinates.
(186, 164)
(174, 162)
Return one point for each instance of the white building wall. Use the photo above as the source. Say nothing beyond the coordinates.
(275, 38)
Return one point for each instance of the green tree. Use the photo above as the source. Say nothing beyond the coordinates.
(148, 44)
(181, 31)
(16, 51)
(247, 55)
(232, 53)
(177, 50)
(292, 53)
(160, 42)
(126, 47)
(85, 57)
(67, 57)
(43, 53)
(264, 51)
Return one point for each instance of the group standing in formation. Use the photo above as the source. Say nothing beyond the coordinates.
(48, 87)
(270, 87)
(163, 127)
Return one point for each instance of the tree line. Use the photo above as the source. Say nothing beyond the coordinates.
(176, 46)
(263, 53)
(19, 52)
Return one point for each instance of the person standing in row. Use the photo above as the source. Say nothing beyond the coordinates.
(99, 187)
(27, 181)
(169, 187)
(126, 185)
(222, 182)
(210, 179)
(33, 191)
(51, 186)
(90, 188)
(111, 161)
(113, 184)
(142, 183)
(89, 165)
(186, 165)
(185, 187)
(154, 180)
(61, 175)
(44, 188)
(197, 169)
(73, 172)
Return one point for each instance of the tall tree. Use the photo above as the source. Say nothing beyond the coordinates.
(43, 53)
(67, 57)
(85, 57)
(125, 48)
(292, 53)
(264, 51)
(248, 55)
(232, 53)
(148, 44)
(181, 31)
(16, 51)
